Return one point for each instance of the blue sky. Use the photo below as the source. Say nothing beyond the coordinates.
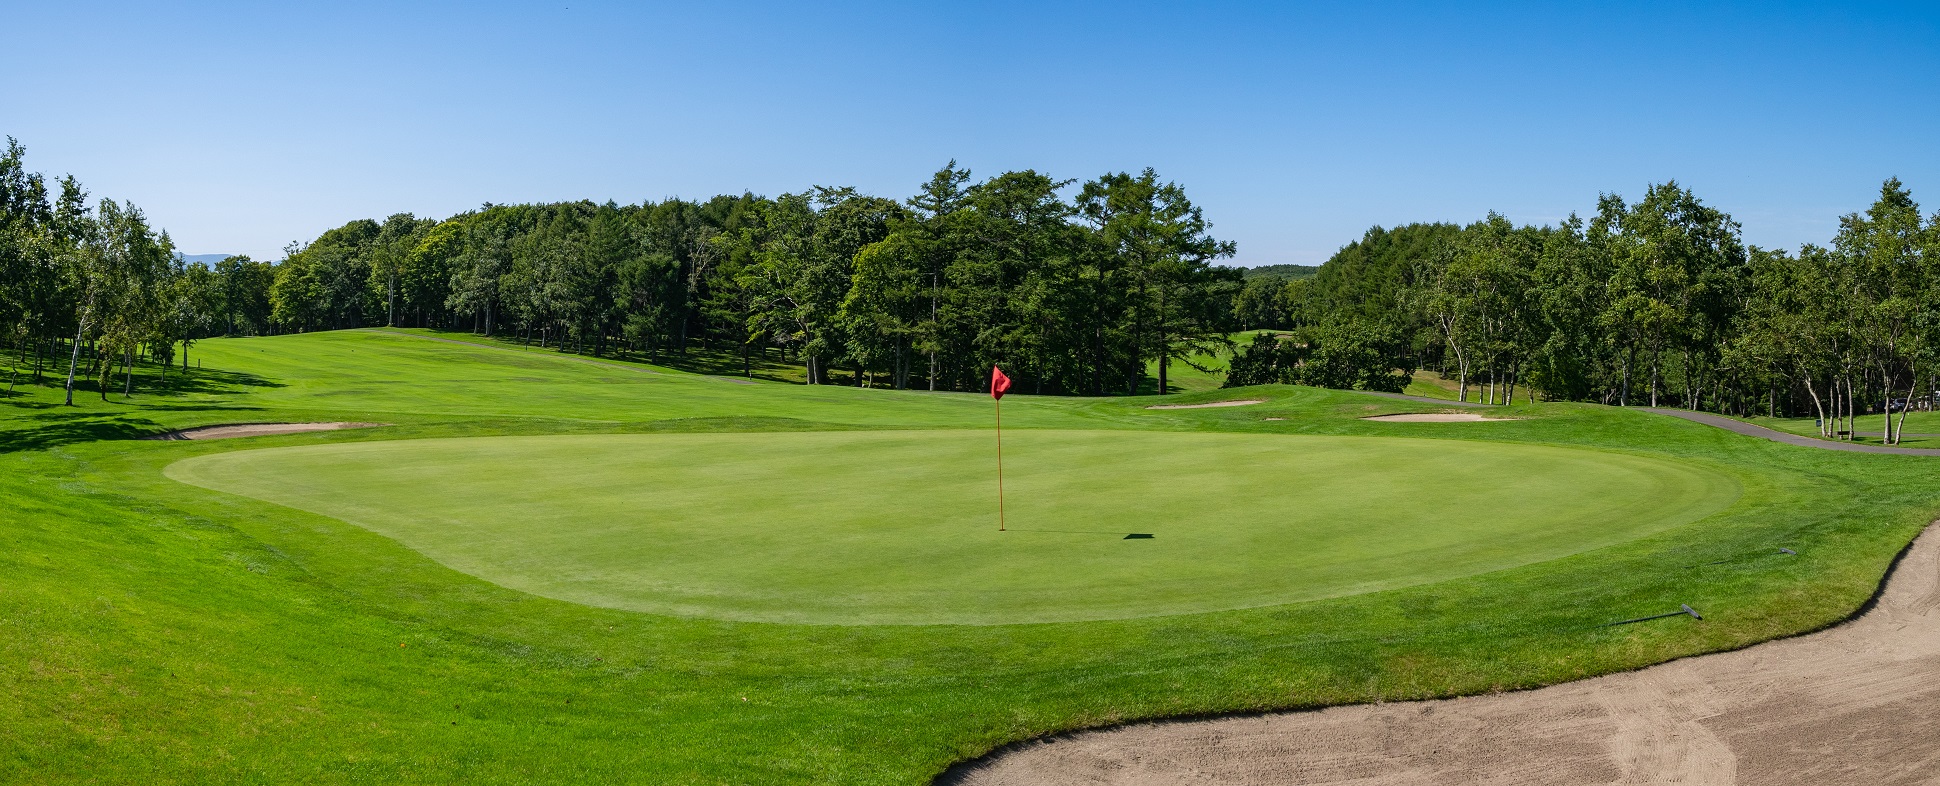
(241, 128)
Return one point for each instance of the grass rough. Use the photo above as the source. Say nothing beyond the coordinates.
(157, 632)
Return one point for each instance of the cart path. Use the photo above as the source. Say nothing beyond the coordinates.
(1747, 429)
(1858, 703)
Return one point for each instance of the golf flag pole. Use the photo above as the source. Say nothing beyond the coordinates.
(999, 385)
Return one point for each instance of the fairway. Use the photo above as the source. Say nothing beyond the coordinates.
(899, 527)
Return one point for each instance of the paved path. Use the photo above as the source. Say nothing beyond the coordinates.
(1856, 704)
(1747, 429)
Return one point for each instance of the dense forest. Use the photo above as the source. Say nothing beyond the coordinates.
(1658, 302)
(1076, 294)
(1072, 295)
(1076, 288)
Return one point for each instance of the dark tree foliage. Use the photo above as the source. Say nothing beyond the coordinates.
(1345, 355)
(1069, 294)
(1271, 359)
(1657, 302)
(1072, 287)
(1281, 272)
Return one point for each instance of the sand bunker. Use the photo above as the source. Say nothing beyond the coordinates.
(1434, 417)
(256, 430)
(1235, 403)
(1859, 703)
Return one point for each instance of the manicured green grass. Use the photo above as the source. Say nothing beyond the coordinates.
(899, 527)
(158, 632)
(1432, 385)
(1209, 375)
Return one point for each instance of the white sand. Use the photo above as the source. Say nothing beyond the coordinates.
(1856, 704)
(256, 430)
(1434, 417)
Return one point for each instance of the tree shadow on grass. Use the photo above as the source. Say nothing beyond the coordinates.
(205, 382)
(201, 382)
(39, 420)
(83, 428)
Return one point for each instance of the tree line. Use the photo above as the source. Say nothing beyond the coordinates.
(89, 290)
(1656, 302)
(1075, 288)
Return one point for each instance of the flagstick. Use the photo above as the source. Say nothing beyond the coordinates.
(1000, 464)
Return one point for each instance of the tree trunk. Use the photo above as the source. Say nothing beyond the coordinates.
(1852, 411)
(128, 372)
(1899, 430)
(75, 360)
(1847, 403)
(1165, 363)
(1840, 405)
(1818, 407)
(1831, 410)
(1656, 359)
(107, 372)
(1623, 397)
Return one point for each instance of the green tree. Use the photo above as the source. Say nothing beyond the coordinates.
(389, 253)
(244, 295)
(1891, 290)
(1159, 240)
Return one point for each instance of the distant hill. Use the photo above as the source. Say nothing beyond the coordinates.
(1284, 272)
(206, 259)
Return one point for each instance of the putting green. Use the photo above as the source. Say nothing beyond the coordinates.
(899, 527)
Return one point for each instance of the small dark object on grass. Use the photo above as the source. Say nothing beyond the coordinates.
(1685, 609)
(1138, 536)
(1788, 551)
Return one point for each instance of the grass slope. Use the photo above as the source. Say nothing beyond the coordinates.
(157, 632)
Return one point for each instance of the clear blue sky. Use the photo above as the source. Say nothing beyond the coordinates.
(241, 128)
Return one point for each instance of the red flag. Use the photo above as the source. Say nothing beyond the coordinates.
(999, 384)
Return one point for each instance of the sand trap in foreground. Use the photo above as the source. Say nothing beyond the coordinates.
(256, 430)
(1859, 703)
(1434, 417)
(1235, 403)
